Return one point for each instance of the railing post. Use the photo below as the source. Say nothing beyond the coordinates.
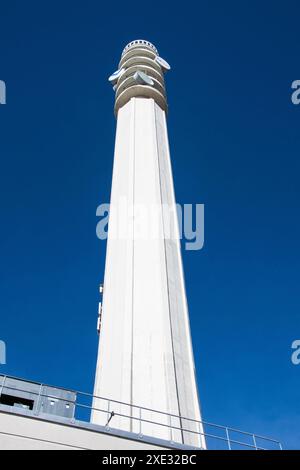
(228, 439)
(254, 441)
(171, 428)
(140, 421)
(37, 405)
(201, 435)
(108, 412)
(2, 386)
(75, 406)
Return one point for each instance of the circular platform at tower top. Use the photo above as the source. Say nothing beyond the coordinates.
(139, 43)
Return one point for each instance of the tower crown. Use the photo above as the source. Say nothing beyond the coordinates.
(140, 74)
(139, 43)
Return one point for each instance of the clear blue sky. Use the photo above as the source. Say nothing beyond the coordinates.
(234, 137)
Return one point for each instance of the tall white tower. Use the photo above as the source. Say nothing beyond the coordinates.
(145, 352)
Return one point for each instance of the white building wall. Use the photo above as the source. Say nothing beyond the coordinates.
(28, 433)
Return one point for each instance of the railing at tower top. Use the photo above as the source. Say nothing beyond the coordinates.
(217, 437)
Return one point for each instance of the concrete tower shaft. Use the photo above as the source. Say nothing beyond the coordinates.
(145, 354)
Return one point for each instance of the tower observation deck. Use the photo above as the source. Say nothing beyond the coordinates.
(140, 56)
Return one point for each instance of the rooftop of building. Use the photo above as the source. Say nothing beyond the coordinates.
(71, 408)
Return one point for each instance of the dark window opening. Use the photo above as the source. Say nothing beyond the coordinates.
(16, 401)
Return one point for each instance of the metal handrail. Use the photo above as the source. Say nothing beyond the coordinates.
(113, 413)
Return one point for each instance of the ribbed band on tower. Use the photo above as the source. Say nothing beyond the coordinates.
(140, 74)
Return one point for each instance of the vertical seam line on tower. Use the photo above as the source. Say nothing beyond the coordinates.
(132, 298)
(166, 265)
